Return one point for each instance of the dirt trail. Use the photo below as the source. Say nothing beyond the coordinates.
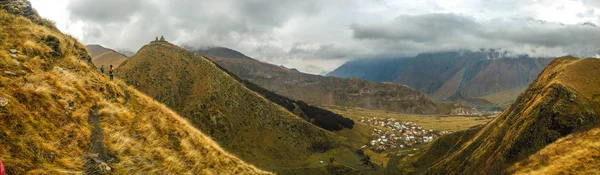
(97, 155)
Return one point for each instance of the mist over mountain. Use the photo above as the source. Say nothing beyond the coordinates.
(452, 75)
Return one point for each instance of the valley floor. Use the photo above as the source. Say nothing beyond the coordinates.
(389, 159)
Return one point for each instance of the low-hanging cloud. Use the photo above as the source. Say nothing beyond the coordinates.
(448, 31)
(316, 35)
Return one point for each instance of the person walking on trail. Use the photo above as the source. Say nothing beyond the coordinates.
(110, 72)
(102, 69)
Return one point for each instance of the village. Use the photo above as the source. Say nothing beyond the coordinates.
(395, 135)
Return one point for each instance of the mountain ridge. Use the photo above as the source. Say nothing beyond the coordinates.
(321, 90)
(558, 104)
(228, 111)
(105, 56)
(451, 76)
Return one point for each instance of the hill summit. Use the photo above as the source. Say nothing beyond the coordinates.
(559, 109)
(58, 115)
(241, 120)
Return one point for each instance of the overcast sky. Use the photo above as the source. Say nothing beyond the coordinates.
(316, 36)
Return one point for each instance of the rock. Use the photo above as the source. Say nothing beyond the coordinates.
(104, 166)
(59, 70)
(10, 73)
(97, 160)
(16, 62)
(3, 102)
(13, 51)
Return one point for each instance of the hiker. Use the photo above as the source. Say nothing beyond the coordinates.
(2, 172)
(110, 72)
(102, 69)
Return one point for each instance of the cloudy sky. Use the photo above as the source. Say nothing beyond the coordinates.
(316, 36)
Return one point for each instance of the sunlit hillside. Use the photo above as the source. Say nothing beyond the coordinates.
(60, 116)
(559, 110)
(241, 120)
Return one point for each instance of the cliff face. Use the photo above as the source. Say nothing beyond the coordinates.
(330, 90)
(451, 75)
(558, 103)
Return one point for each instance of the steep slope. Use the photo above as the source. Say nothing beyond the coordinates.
(451, 75)
(315, 115)
(558, 103)
(60, 116)
(330, 90)
(242, 121)
(103, 56)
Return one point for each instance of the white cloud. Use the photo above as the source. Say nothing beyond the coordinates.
(281, 31)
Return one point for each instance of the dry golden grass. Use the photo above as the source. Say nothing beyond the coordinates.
(577, 153)
(42, 133)
(559, 103)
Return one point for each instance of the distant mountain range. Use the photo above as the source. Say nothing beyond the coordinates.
(322, 90)
(460, 75)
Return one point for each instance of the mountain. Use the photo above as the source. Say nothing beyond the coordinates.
(549, 129)
(451, 75)
(104, 56)
(321, 90)
(320, 117)
(239, 119)
(58, 115)
(221, 52)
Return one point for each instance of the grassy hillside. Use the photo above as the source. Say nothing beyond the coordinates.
(559, 103)
(330, 90)
(60, 116)
(241, 120)
(313, 114)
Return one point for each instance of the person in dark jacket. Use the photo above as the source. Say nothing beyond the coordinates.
(110, 72)
(102, 69)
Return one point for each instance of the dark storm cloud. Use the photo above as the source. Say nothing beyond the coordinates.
(422, 28)
(194, 23)
(300, 33)
(431, 32)
(104, 11)
(307, 50)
